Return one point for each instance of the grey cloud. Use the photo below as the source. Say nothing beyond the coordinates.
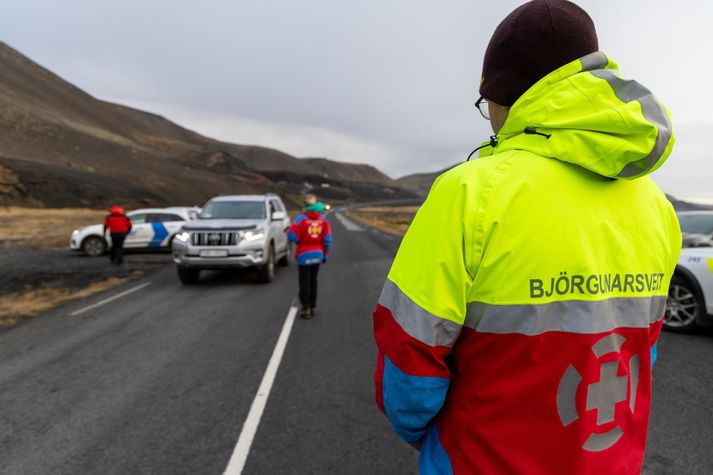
(401, 75)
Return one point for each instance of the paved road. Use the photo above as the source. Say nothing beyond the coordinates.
(161, 381)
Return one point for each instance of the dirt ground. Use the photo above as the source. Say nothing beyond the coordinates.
(16, 306)
(391, 219)
(39, 272)
(33, 281)
(30, 228)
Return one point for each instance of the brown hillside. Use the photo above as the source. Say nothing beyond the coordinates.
(59, 146)
(330, 170)
(420, 183)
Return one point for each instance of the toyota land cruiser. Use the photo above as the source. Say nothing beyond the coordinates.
(235, 231)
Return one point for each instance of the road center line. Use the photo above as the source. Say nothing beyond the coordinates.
(110, 299)
(247, 434)
(348, 223)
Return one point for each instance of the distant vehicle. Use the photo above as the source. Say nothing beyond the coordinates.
(236, 231)
(151, 228)
(697, 228)
(690, 296)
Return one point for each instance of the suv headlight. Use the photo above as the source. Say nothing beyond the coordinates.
(253, 235)
(183, 236)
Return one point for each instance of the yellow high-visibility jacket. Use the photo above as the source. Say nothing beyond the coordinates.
(516, 328)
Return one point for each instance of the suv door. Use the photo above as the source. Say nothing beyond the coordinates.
(140, 230)
(164, 226)
(277, 227)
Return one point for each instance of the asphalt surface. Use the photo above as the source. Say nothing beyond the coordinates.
(25, 269)
(160, 381)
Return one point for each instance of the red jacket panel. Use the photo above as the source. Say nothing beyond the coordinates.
(117, 224)
(313, 236)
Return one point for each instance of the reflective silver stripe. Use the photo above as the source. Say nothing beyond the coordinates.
(633, 380)
(653, 110)
(417, 322)
(609, 344)
(592, 61)
(572, 316)
(604, 395)
(600, 442)
(567, 396)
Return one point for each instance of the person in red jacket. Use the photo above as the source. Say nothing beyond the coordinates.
(118, 225)
(313, 236)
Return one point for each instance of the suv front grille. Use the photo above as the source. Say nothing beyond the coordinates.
(215, 238)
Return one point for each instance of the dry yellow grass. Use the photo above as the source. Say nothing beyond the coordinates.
(31, 228)
(391, 219)
(17, 306)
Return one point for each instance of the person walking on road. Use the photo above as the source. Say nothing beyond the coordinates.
(118, 225)
(517, 327)
(313, 237)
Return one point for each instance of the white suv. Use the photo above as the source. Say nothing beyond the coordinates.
(690, 296)
(234, 231)
(697, 228)
(151, 228)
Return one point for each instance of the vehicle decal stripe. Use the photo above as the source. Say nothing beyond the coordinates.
(159, 234)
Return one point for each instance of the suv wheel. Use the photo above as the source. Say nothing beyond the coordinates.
(267, 272)
(188, 276)
(94, 246)
(682, 306)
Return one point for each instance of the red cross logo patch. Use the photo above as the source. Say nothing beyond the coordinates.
(617, 384)
(314, 229)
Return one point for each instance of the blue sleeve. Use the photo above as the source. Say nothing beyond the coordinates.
(328, 241)
(292, 233)
(654, 354)
(410, 402)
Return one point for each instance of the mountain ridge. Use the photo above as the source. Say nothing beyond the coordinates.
(420, 184)
(61, 146)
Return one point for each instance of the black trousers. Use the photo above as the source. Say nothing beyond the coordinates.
(308, 285)
(116, 254)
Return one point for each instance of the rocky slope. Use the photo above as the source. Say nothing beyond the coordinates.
(59, 146)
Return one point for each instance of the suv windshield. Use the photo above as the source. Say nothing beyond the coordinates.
(233, 210)
(696, 223)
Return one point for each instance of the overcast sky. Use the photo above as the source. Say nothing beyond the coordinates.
(388, 82)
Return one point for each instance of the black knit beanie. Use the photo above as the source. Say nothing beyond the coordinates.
(531, 42)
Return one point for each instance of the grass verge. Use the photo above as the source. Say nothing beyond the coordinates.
(15, 307)
(391, 219)
(30, 228)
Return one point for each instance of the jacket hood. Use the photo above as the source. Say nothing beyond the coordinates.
(595, 119)
(313, 214)
(317, 207)
(116, 209)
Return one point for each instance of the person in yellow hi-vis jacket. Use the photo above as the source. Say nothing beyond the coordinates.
(517, 327)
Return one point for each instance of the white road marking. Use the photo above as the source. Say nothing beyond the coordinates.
(348, 223)
(110, 299)
(247, 434)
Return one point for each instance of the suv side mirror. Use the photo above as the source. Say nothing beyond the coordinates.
(278, 215)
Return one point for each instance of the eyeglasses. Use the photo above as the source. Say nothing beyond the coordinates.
(482, 105)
